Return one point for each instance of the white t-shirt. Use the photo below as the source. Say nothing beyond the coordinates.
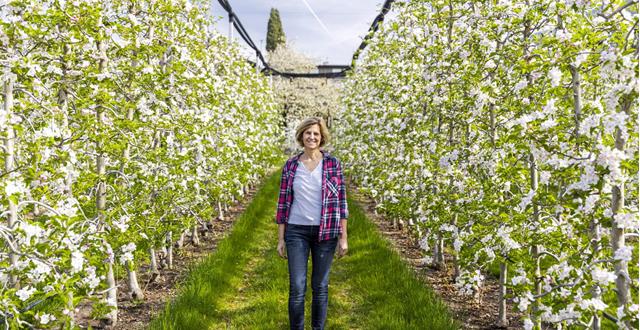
(307, 196)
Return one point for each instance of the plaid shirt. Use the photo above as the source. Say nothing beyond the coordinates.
(334, 195)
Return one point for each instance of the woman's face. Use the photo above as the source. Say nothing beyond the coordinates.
(312, 137)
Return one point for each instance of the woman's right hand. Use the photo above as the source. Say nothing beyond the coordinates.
(282, 250)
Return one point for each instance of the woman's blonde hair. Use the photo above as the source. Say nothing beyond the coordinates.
(305, 124)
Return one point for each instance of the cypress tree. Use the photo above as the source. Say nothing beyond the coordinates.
(275, 34)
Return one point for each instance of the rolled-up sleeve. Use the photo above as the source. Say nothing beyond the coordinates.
(342, 193)
(281, 212)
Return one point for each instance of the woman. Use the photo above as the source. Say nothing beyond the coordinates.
(311, 217)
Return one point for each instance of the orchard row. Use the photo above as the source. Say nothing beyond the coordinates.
(125, 124)
(506, 134)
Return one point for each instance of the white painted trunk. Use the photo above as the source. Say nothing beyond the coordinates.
(205, 228)
(112, 295)
(596, 293)
(134, 287)
(617, 234)
(63, 101)
(180, 242)
(9, 166)
(101, 196)
(535, 250)
(195, 239)
(153, 260)
(456, 260)
(71, 308)
(438, 253)
(220, 211)
(169, 250)
(577, 99)
(155, 272)
(502, 300)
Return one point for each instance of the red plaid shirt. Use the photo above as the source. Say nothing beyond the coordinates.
(334, 195)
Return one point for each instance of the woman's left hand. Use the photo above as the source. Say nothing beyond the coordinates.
(343, 246)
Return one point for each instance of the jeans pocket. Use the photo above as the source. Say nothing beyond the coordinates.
(291, 232)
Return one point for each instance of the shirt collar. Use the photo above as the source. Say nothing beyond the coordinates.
(325, 155)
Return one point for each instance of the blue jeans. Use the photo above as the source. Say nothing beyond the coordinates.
(300, 240)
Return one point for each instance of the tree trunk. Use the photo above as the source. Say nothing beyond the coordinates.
(456, 259)
(492, 118)
(169, 250)
(71, 308)
(205, 229)
(155, 272)
(101, 193)
(180, 242)
(577, 100)
(220, 211)
(535, 250)
(439, 253)
(112, 295)
(9, 166)
(502, 302)
(194, 235)
(63, 102)
(617, 234)
(134, 287)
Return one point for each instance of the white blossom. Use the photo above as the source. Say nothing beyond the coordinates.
(127, 253)
(122, 224)
(31, 231)
(549, 123)
(602, 276)
(627, 221)
(525, 301)
(521, 85)
(68, 207)
(77, 261)
(615, 120)
(594, 303)
(46, 318)
(118, 40)
(623, 253)
(15, 186)
(589, 204)
(527, 324)
(550, 107)
(555, 75)
(457, 244)
(580, 58)
(25, 293)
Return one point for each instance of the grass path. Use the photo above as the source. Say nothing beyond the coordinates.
(244, 284)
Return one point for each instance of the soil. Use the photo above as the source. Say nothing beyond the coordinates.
(473, 313)
(134, 315)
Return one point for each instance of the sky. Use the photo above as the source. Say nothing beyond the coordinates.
(330, 37)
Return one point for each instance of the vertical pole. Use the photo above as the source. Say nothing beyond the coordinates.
(9, 165)
(535, 250)
(617, 234)
(101, 192)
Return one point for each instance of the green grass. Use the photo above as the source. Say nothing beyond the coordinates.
(244, 284)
